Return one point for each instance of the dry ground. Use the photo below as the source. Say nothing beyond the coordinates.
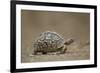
(74, 52)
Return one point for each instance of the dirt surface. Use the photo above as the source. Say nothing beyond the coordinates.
(67, 24)
(74, 52)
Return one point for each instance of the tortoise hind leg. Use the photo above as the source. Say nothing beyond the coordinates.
(35, 53)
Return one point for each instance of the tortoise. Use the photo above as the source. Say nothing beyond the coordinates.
(50, 42)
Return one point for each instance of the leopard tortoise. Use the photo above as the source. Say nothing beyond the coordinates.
(50, 42)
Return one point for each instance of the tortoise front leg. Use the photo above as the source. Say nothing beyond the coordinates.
(63, 50)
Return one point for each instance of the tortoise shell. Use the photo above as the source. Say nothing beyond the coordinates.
(48, 41)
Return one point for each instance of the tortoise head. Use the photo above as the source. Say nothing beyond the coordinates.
(69, 41)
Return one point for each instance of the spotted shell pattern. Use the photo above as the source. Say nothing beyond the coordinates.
(48, 41)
